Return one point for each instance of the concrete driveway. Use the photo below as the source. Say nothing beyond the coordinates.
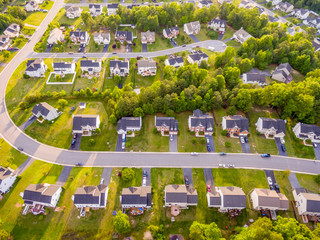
(119, 144)
(129, 48)
(76, 146)
(24, 166)
(148, 170)
(208, 177)
(27, 123)
(211, 143)
(317, 151)
(270, 173)
(294, 181)
(278, 143)
(48, 49)
(187, 172)
(220, 36)
(228, 39)
(106, 175)
(245, 147)
(105, 48)
(64, 175)
(144, 47)
(173, 145)
(173, 43)
(194, 38)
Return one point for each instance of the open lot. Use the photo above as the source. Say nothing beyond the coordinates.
(10, 157)
(159, 44)
(35, 18)
(308, 182)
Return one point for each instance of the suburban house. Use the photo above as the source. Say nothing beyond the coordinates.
(204, 3)
(120, 68)
(316, 45)
(241, 35)
(261, 10)
(112, 8)
(12, 30)
(171, 32)
(31, 6)
(285, 7)
(174, 62)
(73, 12)
(274, 2)
(90, 66)
(36, 68)
(95, 9)
(232, 198)
(271, 128)
(85, 124)
(79, 36)
(244, 4)
(56, 35)
(214, 198)
(147, 67)
(307, 203)
(166, 125)
(124, 36)
(45, 111)
(101, 38)
(283, 73)
(235, 125)
(225, 1)
(197, 57)
(148, 37)
(266, 199)
(90, 197)
(7, 179)
(179, 195)
(5, 42)
(136, 197)
(312, 22)
(307, 131)
(192, 28)
(126, 124)
(199, 122)
(45, 195)
(64, 67)
(254, 78)
(218, 25)
(300, 13)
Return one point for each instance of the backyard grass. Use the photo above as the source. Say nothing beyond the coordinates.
(145, 140)
(64, 21)
(35, 19)
(10, 157)
(47, 5)
(308, 182)
(28, 30)
(297, 76)
(160, 43)
(228, 33)
(66, 78)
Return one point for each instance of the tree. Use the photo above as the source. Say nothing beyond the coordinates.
(286, 173)
(138, 112)
(4, 235)
(62, 103)
(112, 119)
(6, 54)
(204, 231)
(92, 141)
(232, 110)
(157, 232)
(118, 44)
(227, 144)
(121, 222)
(128, 174)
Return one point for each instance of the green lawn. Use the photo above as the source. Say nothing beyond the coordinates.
(233, 43)
(10, 157)
(137, 41)
(136, 181)
(64, 21)
(308, 182)
(228, 33)
(183, 38)
(146, 140)
(93, 47)
(47, 5)
(35, 18)
(204, 34)
(66, 78)
(28, 30)
(160, 43)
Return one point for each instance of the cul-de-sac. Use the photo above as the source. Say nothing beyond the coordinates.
(150, 119)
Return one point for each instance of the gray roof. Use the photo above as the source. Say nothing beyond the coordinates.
(272, 19)
(78, 33)
(313, 206)
(43, 108)
(180, 194)
(84, 120)
(119, 64)
(96, 6)
(277, 124)
(4, 173)
(218, 21)
(215, 200)
(200, 119)
(175, 60)
(308, 128)
(169, 30)
(315, 45)
(125, 34)
(113, 5)
(89, 63)
(34, 65)
(62, 65)
(39, 193)
(237, 121)
(167, 121)
(198, 56)
(233, 197)
(286, 66)
(90, 195)
(125, 122)
(176, 197)
(256, 77)
(136, 195)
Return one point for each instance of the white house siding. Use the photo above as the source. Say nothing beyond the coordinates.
(7, 183)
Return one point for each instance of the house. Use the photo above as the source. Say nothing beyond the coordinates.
(274, 2)
(120, 68)
(312, 22)
(244, 4)
(307, 131)
(45, 111)
(214, 198)
(36, 68)
(218, 25)
(283, 73)
(204, 3)
(46, 195)
(272, 19)
(5, 42)
(174, 62)
(179, 195)
(307, 203)
(225, 1)
(291, 31)
(79, 36)
(271, 128)
(112, 8)
(95, 9)
(85, 124)
(197, 57)
(192, 28)
(171, 32)
(235, 125)
(316, 45)
(148, 37)
(166, 124)
(126, 124)
(12, 30)
(91, 196)
(254, 78)
(300, 13)
(260, 9)
(136, 197)
(124, 36)
(101, 38)
(285, 7)
(31, 6)
(73, 12)
(266, 199)
(82, 105)
(7, 179)
(241, 35)
(147, 67)
(232, 198)
(64, 67)
(56, 35)
(90, 66)
(199, 122)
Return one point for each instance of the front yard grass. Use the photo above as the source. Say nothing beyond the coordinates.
(233, 43)
(9, 156)
(160, 43)
(183, 38)
(35, 18)
(47, 5)
(228, 33)
(204, 33)
(93, 47)
(146, 140)
(308, 182)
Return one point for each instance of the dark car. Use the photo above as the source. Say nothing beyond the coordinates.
(222, 153)
(114, 53)
(184, 45)
(145, 174)
(271, 187)
(246, 139)
(265, 155)
(79, 164)
(209, 148)
(186, 179)
(20, 149)
(73, 142)
(283, 148)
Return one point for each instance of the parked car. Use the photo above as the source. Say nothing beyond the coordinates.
(186, 180)
(123, 137)
(271, 187)
(208, 188)
(114, 53)
(231, 165)
(79, 164)
(184, 45)
(123, 145)
(171, 137)
(70, 52)
(222, 153)
(144, 181)
(276, 186)
(246, 139)
(209, 148)
(73, 142)
(269, 180)
(145, 174)
(208, 140)
(265, 155)
(282, 141)
(102, 181)
(242, 140)
(315, 145)
(75, 136)
(283, 148)
(194, 154)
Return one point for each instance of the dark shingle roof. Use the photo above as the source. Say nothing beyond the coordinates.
(125, 122)
(90, 195)
(277, 124)
(62, 65)
(89, 63)
(113, 5)
(84, 120)
(200, 119)
(255, 77)
(126, 34)
(167, 121)
(237, 121)
(78, 33)
(313, 206)
(176, 197)
(136, 196)
(175, 60)
(96, 6)
(39, 193)
(33, 65)
(119, 64)
(198, 56)
(308, 128)
(43, 108)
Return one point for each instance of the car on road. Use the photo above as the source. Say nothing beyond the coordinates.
(208, 188)
(84, 56)
(79, 164)
(20, 149)
(283, 147)
(194, 154)
(145, 174)
(231, 165)
(186, 180)
(75, 136)
(222, 153)
(242, 139)
(70, 52)
(211, 48)
(315, 145)
(222, 165)
(123, 145)
(270, 180)
(265, 155)
(171, 137)
(114, 53)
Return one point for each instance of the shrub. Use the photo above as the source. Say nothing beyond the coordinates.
(118, 45)
(194, 140)
(227, 144)
(128, 174)
(203, 141)
(317, 179)
(25, 76)
(154, 130)
(92, 141)
(232, 110)
(224, 132)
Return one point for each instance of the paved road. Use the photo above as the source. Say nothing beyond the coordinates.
(173, 145)
(278, 143)
(211, 143)
(105, 48)
(24, 166)
(64, 175)
(317, 151)
(106, 175)
(187, 172)
(148, 170)
(27, 123)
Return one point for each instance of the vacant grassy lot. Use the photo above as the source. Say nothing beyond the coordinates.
(35, 18)
(10, 157)
(161, 43)
(146, 140)
(47, 5)
(228, 33)
(93, 47)
(183, 38)
(308, 182)
(204, 34)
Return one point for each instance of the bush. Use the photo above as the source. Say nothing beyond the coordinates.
(203, 140)
(128, 174)
(97, 131)
(118, 45)
(92, 141)
(25, 76)
(128, 144)
(194, 140)
(154, 130)
(227, 144)
(224, 132)
(232, 110)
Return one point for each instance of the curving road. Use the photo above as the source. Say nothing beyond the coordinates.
(14, 136)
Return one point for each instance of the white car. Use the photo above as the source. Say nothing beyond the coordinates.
(171, 137)
(231, 165)
(208, 140)
(282, 141)
(144, 181)
(123, 145)
(269, 180)
(315, 145)
(222, 165)
(194, 154)
(242, 139)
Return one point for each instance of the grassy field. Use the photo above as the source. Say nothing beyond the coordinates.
(228, 33)
(10, 157)
(203, 34)
(183, 38)
(92, 47)
(47, 5)
(66, 78)
(160, 43)
(308, 182)
(35, 18)
(233, 43)
(146, 140)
